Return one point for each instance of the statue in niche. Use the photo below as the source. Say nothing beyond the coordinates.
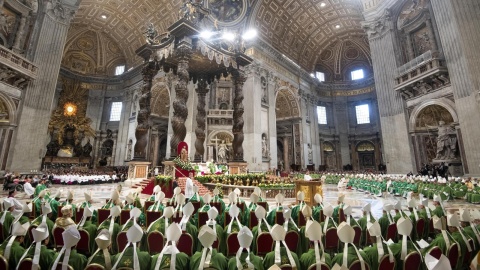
(151, 34)
(87, 149)
(222, 152)
(265, 152)
(446, 141)
(310, 154)
(52, 147)
(109, 133)
(78, 149)
(263, 82)
(129, 150)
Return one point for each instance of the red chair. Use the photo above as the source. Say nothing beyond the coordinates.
(431, 228)
(232, 244)
(264, 244)
(385, 263)
(217, 205)
(151, 216)
(286, 267)
(83, 245)
(148, 204)
(78, 214)
(356, 265)
(291, 239)
(341, 215)
(196, 206)
(391, 232)
(3, 263)
(25, 264)
(124, 216)
(467, 258)
(368, 240)
(252, 220)
(185, 244)
(102, 215)
(331, 239)
(279, 219)
(202, 218)
(435, 252)
(420, 228)
(59, 209)
(177, 217)
(264, 205)
(301, 219)
(155, 242)
(121, 241)
(453, 255)
(412, 261)
(57, 237)
(322, 267)
(241, 206)
(94, 266)
(321, 217)
(358, 235)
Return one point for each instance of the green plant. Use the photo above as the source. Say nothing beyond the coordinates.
(163, 179)
(185, 165)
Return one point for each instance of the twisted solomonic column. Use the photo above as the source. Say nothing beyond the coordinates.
(141, 132)
(238, 79)
(180, 110)
(202, 90)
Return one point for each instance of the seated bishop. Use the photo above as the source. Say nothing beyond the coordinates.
(254, 198)
(245, 258)
(11, 249)
(315, 255)
(39, 246)
(68, 253)
(212, 223)
(209, 257)
(346, 234)
(88, 203)
(262, 226)
(114, 199)
(170, 257)
(102, 256)
(156, 190)
(87, 225)
(132, 205)
(158, 205)
(131, 257)
(374, 253)
(280, 256)
(278, 210)
(204, 209)
(65, 220)
(298, 208)
(111, 223)
(44, 218)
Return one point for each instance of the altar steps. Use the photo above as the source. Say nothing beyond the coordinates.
(202, 190)
(146, 185)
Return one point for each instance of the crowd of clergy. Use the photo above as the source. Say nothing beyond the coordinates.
(205, 232)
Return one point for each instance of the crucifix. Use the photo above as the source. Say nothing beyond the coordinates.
(216, 146)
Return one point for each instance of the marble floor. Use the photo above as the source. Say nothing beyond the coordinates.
(356, 199)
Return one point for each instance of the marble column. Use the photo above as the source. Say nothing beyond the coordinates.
(202, 90)
(37, 104)
(237, 129)
(155, 146)
(286, 149)
(397, 147)
(458, 24)
(180, 110)
(143, 117)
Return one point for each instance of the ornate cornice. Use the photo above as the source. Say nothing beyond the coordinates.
(60, 11)
(378, 27)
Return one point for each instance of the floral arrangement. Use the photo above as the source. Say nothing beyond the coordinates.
(227, 178)
(277, 186)
(163, 179)
(185, 165)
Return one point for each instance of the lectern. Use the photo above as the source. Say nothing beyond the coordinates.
(310, 188)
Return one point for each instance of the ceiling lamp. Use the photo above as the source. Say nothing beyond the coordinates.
(322, 4)
(103, 16)
(337, 26)
(250, 34)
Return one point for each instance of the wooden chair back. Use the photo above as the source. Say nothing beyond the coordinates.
(155, 242)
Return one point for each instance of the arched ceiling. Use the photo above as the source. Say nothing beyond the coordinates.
(300, 29)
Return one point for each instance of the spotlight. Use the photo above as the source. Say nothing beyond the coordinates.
(206, 34)
(103, 16)
(337, 26)
(323, 4)
(228, 36)
(250, 34)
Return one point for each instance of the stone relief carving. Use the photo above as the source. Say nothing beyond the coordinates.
(265, 148)
(264, 85)
(446, 141)
(378, 27)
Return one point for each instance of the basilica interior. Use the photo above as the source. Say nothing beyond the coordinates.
(325, 85)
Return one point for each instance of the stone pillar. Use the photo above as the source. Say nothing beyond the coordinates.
(17, 45)
(32, 136)
(180, 110)
(155, 142)
(237, 129)
(114, 148)
(397, 147)
(286, 162)
(458, 24)
(411, 53)
(143, 116)
(202, 90)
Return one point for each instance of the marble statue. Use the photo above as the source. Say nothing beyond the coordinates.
(184, 154)
(65, 152)
(446, 141)
(87, 148)
(222, 152)
(265, 152)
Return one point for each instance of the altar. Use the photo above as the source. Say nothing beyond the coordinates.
(310, 188)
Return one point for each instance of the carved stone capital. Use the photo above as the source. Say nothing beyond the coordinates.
(60, 11)
(379, 27)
